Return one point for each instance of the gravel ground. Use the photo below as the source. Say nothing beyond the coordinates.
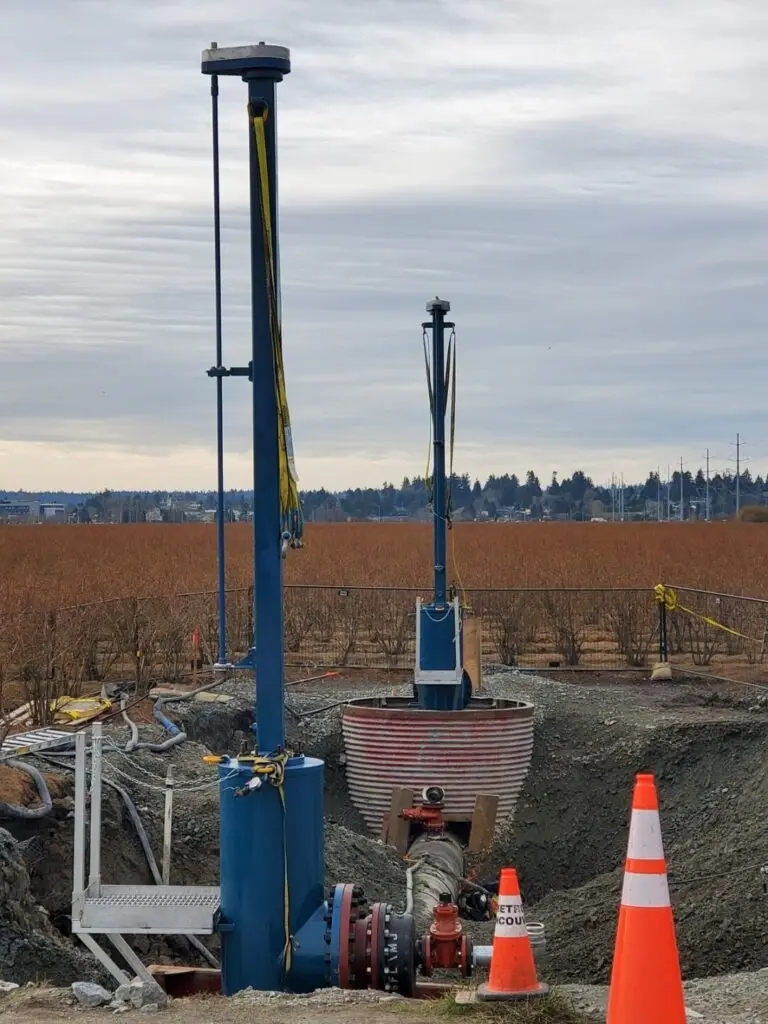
(728, 999)
(732, 999)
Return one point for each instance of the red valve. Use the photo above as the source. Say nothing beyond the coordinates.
(446, 947)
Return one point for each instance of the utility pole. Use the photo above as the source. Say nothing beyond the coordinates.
(669, 493)
(682, 493)
(706, 504)
(613, 497)
(658, 494)
(621, 499)
(738, 474)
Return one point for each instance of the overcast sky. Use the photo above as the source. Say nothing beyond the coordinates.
(585, 180)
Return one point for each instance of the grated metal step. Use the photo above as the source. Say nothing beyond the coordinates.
(151, 910)
(37, 739)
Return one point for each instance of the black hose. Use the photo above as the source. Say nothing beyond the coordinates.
(29, 813)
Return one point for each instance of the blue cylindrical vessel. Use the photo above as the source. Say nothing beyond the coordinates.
(255, 833)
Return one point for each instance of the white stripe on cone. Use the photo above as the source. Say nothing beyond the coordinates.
(644, 890)
(510, 922)
(645, 836)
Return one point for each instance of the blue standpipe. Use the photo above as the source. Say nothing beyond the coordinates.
(271, 836)
(437, 620)
(438, 308)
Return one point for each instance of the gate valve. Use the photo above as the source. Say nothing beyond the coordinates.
(446, 947)
(430, 817)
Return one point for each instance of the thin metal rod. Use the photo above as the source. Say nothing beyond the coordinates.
(78, 874)
(94, 873)
(220, 551)
(168, 826)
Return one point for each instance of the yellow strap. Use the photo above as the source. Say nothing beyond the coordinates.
(289, 484)
(273, 767)
(668, 597)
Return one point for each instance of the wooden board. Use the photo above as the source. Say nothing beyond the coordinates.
(473, 646)
(483, 822)
(396, 830)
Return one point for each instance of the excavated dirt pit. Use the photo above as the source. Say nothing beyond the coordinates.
(706, 746)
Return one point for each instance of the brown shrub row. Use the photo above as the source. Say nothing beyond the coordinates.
(49, 654)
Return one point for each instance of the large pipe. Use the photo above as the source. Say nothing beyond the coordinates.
(440, 871)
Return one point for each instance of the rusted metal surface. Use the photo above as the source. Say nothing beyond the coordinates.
(484, 749)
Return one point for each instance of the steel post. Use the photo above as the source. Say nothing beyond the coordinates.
(262, 67)
(440, 682)
(438, 308)
(220, 550)
(267, 558)
(271, 836)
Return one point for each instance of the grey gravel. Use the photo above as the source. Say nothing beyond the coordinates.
(320, 997)
(727, 999)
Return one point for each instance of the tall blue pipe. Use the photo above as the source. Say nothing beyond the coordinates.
(438, 308)
(267, 557)
(271, 837)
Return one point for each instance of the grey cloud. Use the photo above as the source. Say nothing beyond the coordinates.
(604, 259)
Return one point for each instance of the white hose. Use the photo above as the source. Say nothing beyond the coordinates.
(409, 886)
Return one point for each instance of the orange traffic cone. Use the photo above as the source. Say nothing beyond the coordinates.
(513, 971)
(646, 984)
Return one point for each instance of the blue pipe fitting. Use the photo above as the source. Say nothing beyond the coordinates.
(167, 724)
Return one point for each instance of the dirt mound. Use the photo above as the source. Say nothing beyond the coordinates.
(570, 831)
(350, 857)
(30, 948)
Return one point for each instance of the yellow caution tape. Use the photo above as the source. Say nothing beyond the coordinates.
(289, 484)
(668, 597)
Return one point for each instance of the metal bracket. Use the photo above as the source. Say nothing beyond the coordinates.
(248, 662)
(233, 371)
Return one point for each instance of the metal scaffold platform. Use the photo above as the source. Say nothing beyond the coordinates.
(115, 911)
(33, 741)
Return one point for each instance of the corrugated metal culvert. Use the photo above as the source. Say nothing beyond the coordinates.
(486, 748)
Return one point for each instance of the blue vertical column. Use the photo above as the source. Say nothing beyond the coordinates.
(271, 835)
(438, 308)
(267, 558)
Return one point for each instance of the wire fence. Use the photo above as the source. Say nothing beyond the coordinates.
(598, 629)
(706, 628)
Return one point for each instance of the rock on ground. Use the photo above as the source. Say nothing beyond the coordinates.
(89, 994)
